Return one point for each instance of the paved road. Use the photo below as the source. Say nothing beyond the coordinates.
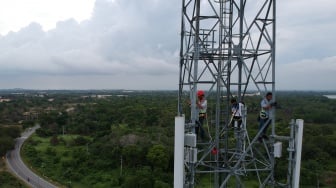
(16, 165)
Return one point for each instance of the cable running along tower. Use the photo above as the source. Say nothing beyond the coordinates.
(228, 50)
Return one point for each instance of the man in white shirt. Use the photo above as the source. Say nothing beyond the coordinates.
(236, 109)
(265, 118)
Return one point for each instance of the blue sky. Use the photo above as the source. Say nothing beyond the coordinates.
(132, 44)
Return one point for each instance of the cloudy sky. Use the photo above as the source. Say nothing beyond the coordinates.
(134, 44)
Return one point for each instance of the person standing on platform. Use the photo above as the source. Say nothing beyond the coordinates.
(265, 116)
(236, 110)
(201, 105)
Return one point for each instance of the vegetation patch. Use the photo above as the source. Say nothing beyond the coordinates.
(129, 141)
(7, 180)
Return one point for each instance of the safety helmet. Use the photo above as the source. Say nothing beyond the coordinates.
(200, 93)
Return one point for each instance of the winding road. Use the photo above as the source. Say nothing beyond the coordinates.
(16, 165)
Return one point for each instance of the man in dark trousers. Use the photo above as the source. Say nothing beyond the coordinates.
(265, 116)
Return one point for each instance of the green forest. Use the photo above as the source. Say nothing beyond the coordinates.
(126, 139)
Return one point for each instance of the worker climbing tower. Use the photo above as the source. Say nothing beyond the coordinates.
(227, 50)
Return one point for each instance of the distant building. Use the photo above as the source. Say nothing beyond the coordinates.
(4, 100)
(103, 96)
(30, 115)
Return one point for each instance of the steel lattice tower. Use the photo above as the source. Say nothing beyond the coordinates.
(227, 49)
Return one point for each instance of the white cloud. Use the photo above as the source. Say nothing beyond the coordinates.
(309, 74)
(16, 13)
(122, 43)
(122, 39)
(305, 30)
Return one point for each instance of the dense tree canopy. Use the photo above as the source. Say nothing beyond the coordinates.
(121, 140)
(7, 138)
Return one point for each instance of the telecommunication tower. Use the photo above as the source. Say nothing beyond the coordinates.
(228, 50)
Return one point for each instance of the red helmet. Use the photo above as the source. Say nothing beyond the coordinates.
(200, 93)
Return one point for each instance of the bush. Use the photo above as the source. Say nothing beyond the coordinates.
(80, 140)
(6, 143)
(9, 181)
(161, 184)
